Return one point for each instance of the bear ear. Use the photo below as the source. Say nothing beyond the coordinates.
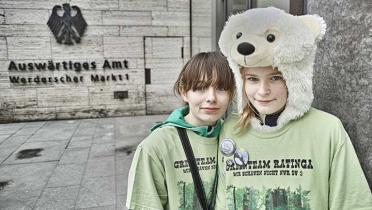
(316, 24)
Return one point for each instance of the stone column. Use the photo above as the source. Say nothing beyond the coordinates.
(343, 70)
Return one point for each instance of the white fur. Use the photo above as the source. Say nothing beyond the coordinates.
(292, 52)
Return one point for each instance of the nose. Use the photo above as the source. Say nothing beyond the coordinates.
(211, 95)
(264, 88)
(245, 48)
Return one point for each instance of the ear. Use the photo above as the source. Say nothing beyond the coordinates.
(184, 96)
(316, 24)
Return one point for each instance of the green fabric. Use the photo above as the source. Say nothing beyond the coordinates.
(176, 118)
(308, 164)
(160, 178)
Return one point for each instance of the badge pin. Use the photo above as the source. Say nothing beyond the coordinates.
(227, 147)
(241, 158)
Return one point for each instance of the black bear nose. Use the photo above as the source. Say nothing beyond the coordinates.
(245, 48)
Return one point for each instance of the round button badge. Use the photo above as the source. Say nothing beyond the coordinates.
(227, 147)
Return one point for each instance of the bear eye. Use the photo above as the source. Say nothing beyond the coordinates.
(270, 38)
(238, 35)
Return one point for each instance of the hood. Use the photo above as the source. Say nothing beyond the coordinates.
(177, 119)
(270, 37)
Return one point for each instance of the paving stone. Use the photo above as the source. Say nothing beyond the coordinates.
(99, 167)
(27, 131)
(120, 202)
(84, 131)
(59, 198)
(53, 133)
(121, 184)
(123, 162)
(3, 137)
(51, 151)
(79, 144)
(96, 192)
(66, 175)
(75, 155)
(25, 180)
(111, 207)
(10, 128)
(103, 138)
(102, 150)
(15, 203)
(10, 145)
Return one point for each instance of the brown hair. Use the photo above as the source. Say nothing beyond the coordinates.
(203, 70)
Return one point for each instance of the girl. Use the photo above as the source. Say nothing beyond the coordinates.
(160, 177)
(280, 153)
(307, 163)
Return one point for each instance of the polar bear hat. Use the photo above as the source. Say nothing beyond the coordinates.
(271, 37)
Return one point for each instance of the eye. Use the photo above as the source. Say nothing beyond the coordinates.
(220, 89)
(276, 78)
(238, 35)
(270, 38)
(252, 79)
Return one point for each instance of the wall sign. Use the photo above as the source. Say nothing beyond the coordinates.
(67, 29)
(67, 67)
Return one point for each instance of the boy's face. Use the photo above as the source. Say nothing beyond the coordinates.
(206, 105)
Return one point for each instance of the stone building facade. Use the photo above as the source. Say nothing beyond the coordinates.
(125, 64)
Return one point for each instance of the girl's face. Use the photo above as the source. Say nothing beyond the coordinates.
(206, 105)
(265, 88)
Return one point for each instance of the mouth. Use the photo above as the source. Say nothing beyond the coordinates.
(264, 102)
(210, 109)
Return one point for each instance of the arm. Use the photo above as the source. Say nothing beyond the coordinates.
(146, 182)
(348, 186)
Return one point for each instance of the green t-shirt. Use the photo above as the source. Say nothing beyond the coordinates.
(160, 178)
(308, 164)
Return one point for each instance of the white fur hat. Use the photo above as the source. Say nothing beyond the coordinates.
(270, 37)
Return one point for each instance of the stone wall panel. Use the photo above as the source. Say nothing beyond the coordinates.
(126, 47)
(343, 76)
(71, 96)
(27, 4)
(29, 48)
(26, 16)
(25, 31)
(136, 31)
(146, 5)
(126, 18)
(89, 48)
(170, 18)
(3, 49)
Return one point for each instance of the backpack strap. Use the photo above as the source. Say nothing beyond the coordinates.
(195, 172)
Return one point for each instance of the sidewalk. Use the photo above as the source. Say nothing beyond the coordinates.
(69, 164)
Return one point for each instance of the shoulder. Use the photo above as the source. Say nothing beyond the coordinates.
(159, 140)
(321, 118)
(323, 125)
(231, 121)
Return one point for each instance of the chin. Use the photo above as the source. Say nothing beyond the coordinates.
(265, 111)
(210, 120)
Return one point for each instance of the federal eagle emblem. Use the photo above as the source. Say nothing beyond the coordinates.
(67, 29)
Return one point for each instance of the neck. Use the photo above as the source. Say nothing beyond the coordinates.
(270, 119)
